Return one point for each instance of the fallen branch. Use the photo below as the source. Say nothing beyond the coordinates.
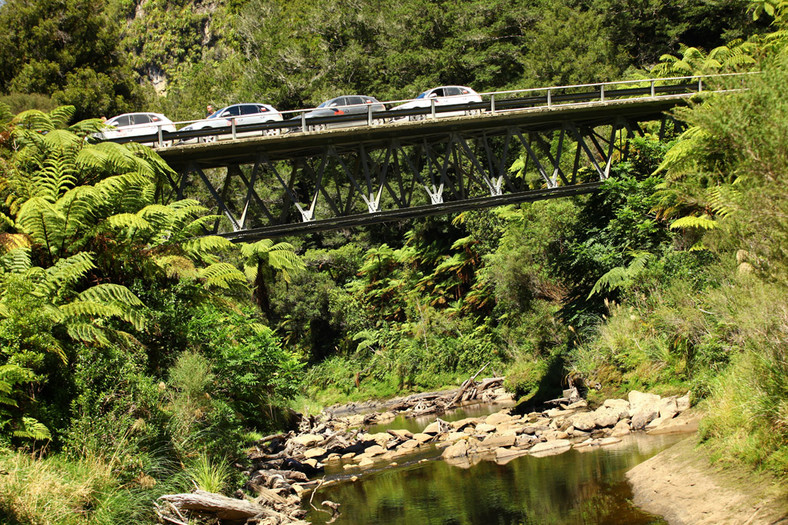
(465, 386)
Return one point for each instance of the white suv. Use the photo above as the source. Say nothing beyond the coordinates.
(240, 115)
(441, 97)
(129, 125)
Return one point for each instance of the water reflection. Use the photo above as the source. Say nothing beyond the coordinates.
(571, 488)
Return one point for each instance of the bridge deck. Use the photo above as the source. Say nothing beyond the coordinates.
(299, 144)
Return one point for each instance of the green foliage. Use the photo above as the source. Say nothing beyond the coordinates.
(67, 50)
(209, 475)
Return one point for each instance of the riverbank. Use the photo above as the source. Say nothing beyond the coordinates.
(681, 485)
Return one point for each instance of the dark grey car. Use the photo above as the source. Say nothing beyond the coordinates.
(359, 105)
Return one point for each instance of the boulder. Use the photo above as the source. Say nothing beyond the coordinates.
(462, 423)
(642, 418)
(683, 402)
(606, 416)
(668, 408)
(457, 450)
(432, 428)
(638, 401)
(621, 405)
(621, 428)
(584, 421)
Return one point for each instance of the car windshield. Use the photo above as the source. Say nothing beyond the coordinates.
(215, 114)
(326, 103)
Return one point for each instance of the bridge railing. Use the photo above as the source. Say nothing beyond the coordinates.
(492, 103)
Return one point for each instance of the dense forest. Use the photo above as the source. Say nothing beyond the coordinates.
(138, 357)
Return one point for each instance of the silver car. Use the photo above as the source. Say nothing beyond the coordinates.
(131, 125)
(441, 97)
(235, 116)
(357, 105)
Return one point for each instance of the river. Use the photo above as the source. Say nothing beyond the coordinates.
(576, 487)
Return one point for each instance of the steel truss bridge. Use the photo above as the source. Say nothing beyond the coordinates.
(286, 183)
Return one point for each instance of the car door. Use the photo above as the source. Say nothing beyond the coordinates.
(141, 125)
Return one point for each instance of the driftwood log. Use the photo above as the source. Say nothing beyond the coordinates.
(226, 509)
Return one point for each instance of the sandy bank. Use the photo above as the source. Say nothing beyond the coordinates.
(680, 485)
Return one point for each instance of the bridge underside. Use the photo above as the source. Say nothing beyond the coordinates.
(307, 182)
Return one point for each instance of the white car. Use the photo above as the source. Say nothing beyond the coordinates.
(241, 115)
(441, 97)
(130, 125)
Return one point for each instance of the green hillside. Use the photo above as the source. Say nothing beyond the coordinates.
(138, 359)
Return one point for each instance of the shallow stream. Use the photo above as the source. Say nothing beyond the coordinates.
(571, 488)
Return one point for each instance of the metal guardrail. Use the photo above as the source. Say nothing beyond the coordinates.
(493, 102)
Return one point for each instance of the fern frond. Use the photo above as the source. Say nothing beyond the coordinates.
(206, 244)
(32, 429)
(68, 271)
(17, 260)
(60, 139)
(703, 222)
(109, 292)
(87, 333)
(128, 221)
(222, 275)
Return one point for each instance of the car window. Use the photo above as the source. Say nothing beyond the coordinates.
(249, 109)
(141, 119)
(232, 111)
(261, 108)
(120, 121)
(452, 91)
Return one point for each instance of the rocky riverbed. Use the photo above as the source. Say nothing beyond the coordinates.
(287, 467)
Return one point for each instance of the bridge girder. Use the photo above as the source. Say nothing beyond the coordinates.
(286, 185)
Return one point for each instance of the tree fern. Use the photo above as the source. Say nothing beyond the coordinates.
(622, 276)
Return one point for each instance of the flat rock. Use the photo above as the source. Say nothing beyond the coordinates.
(315, 452)
(432, 428)
(422, 437)
(402, 435)
(485, 427)
(498, 418)
(456, 450)
(374, 450)
(462, 423)
(365, 462)
(549, 448)
(609, 441)
(307, 440)
(409, 445)
(498, 440)
(684, 422)
(505, 455)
